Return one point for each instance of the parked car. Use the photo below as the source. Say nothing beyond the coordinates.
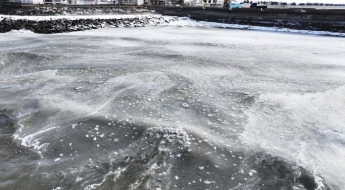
(256, 6)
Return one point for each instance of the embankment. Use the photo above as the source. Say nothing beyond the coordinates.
(301, 19)
(66, 25)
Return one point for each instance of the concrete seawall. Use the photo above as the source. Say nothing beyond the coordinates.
(303, 19)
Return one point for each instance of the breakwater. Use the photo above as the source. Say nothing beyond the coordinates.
(301, 19)
(67, 25)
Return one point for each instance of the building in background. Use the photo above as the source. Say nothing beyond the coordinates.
(78, 2)
(28, 1)
(130, 2)
(208, 3)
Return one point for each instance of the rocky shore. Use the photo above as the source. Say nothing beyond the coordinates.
(67, 25)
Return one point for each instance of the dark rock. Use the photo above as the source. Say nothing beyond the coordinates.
(64, 25)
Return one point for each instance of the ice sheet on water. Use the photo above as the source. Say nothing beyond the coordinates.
(290, 124)
(192, 65)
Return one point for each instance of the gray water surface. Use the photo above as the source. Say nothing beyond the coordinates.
(172, 108)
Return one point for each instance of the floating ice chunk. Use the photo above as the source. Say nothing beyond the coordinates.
(102, 135)
(57, 159)
(210, 115)
(78, 179)
(176, 177)
(78, 88)
(94, 138)
(185, 105)
(61, 155)
(207, 182)
(74, 125)
(201, 167)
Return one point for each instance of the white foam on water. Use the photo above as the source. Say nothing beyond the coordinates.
(19, 129)
(115, 175)
(32, 141)
(305, 128)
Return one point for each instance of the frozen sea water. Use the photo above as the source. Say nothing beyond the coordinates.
(172, 107)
